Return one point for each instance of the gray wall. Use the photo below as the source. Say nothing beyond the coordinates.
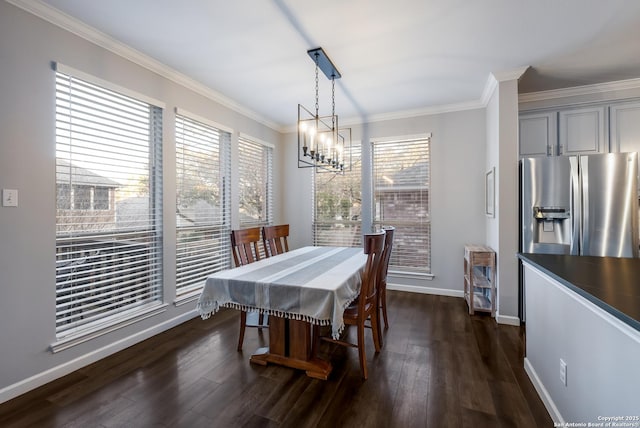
(28, 45)
(457, 190)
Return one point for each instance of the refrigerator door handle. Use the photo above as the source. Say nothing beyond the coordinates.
(585, 236)
(576, 209)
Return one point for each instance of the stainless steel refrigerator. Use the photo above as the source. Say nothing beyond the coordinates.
(580, 205)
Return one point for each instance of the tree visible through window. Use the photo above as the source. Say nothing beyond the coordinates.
(255, 181)
(203, 168)
(338, 206)
(401, 171)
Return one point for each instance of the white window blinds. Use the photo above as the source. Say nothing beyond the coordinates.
(203, 167)
(338, 205)
(109, 199)
(401, 179)
(255, 180)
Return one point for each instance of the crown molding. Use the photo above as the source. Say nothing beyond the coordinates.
(515, 74)
(619, 85)
(497, 77)
(80, 29)
(489, 88)
(402, 114)
(425, 111)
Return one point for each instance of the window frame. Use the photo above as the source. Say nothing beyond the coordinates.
(212, 228)
(377, 222)
(81, 254)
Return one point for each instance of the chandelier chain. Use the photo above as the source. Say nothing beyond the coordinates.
(333, 103)
(317, 105)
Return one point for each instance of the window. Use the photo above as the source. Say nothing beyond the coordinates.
(100, 198)
(401, 198)
(255, 182)
(63, 196)
(338, 205)
(81, 197)
(108, 222)
(203, 168)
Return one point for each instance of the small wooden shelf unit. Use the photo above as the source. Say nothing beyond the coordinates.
(480, 278)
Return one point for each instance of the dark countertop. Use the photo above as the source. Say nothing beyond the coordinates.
(611, 283)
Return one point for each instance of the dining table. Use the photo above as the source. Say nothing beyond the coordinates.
(298, 289)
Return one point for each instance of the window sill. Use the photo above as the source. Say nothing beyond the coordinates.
(411, 275)
(74, 339)
(188, 297)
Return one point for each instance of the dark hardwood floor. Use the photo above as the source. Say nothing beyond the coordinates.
(439, 367)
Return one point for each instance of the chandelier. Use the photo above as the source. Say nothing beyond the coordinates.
(321, 143)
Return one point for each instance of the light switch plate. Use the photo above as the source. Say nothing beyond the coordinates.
(9, 198)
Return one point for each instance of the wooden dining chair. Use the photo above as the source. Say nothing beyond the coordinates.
(382, 283)
(244, 246)
(386, 256)
(365, 307)
(275, 239)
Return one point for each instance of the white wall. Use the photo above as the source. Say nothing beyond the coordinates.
(28, 45)
(457, 190)
(600, 351)
(502, 229)
(492, 161)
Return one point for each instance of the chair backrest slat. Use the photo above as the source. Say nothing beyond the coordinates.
(275, 239)
(244, 245)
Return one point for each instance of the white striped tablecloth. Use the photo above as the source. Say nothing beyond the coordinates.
(313, 284)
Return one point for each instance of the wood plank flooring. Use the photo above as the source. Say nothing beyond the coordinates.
(439, 367)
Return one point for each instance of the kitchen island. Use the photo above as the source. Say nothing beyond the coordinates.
(582, 318)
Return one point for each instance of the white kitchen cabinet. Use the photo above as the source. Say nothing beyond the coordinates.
(625, 127)
(624, 121)
(571, 131)
(538, 134)
(582, 131)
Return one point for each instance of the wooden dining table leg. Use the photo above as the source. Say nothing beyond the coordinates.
(278, 336)
(299, 340)
(290, 344)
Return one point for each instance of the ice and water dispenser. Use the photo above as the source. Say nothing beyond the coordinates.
(546, 206)
(551, 229)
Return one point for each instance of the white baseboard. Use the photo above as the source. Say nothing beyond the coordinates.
(500, 319)
(544, 395)
(508, 320)
(426, 290)
(54, 373)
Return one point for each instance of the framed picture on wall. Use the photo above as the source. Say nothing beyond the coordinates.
(489, 193)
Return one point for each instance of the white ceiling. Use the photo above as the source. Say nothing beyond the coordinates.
(396, 57)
